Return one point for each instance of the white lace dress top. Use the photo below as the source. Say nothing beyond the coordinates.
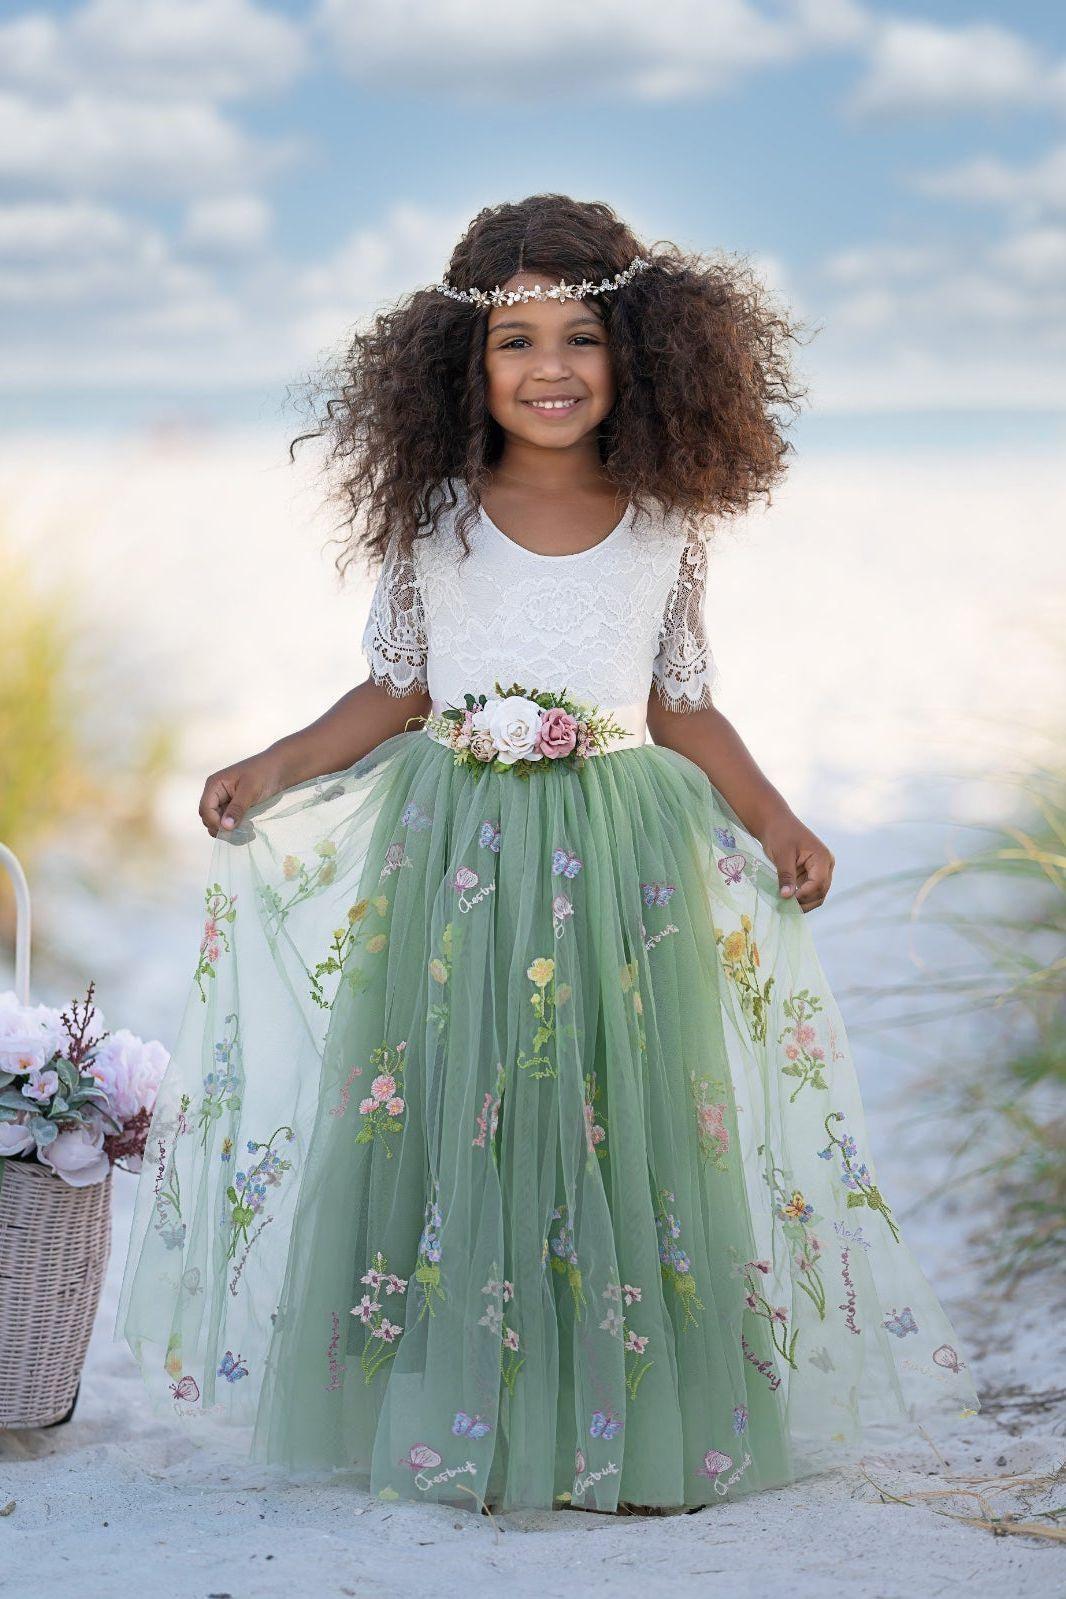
(606, 624)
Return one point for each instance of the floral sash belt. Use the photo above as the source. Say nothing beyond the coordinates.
(528, 730)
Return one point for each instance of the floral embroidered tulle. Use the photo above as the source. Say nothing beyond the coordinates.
(511, 1149)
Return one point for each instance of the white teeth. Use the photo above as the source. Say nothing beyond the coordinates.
(552, 405)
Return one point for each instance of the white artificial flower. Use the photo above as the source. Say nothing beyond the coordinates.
(129, 1071)
(30, 1035)
(77, 1155)
(513, 724)
(15, 1138)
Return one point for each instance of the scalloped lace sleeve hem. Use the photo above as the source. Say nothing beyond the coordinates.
(684, 673)
(394, 639)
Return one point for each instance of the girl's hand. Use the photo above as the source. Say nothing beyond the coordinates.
(804, 864)
(229, 793)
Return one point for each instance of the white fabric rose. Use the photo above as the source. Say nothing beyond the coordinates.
(129, 1071)
(15, 1138)
(513, 724)
(77, 1155)
(30, 1035)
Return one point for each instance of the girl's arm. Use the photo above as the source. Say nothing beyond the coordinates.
(804, 864)
(350, 729)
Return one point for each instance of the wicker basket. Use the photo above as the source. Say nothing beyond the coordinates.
(54, 1244)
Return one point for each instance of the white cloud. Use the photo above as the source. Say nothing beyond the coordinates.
(80, 255)
(91, 143)
(199, 49)
(228, 224)
(919, 66)
(1029, 191)
(667, 51)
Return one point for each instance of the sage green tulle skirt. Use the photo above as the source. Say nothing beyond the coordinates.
(511, 1152)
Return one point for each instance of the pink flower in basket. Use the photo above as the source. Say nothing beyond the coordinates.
(88, 1094)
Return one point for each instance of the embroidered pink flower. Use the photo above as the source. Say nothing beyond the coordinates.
(761, 1265)
(510, 1338)
(383, 1088)
(780, 1314)
(508, 1293)
(372, 1277)
(804, 1034)
(635, 1343)
(631, 1295)
(366, 1106)
(365, 1308)
(557, 734)
(792, 1052)
(387, 1330)
(394, 1284)
(751, 1301)
(395, 1106)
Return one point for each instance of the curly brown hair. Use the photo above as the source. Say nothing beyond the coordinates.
(700, 357)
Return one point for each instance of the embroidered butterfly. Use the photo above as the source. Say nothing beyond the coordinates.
(732, 867)
(604, 1425)
(657, 893)
(465, 1426)
(725, 838)
(415, 817)
(420, 1457)
(190, 1281)
(394, 859)
(232, 1367)
(489, 837)
(186, 1389)
(565, 863)
(740, 1418)
(902, 1324)
(714, 1463)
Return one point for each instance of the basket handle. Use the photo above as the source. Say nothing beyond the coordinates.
(10, 860)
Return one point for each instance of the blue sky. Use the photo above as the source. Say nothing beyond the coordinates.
(198, 197)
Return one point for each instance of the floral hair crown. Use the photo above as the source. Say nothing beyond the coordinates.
(558, 291)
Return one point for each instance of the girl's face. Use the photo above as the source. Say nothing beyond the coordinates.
(543, 350)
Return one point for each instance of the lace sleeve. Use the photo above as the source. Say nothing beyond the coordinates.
(394, 640)
(684, 672)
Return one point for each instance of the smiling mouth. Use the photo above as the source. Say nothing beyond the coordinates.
(553, 407)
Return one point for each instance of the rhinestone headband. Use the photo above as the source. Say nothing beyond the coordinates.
(558, 291)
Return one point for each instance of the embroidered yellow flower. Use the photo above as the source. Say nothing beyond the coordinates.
(291, 866)
(628, 976)
(540, 972)
(437, 970)
(358, 910)
(745, 922)
(562, 994)
(380, 903)
(375, 945)
(733, 948)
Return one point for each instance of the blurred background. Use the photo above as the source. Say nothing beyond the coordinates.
(197, 202)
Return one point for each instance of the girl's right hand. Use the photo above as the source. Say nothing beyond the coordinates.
(229, 793)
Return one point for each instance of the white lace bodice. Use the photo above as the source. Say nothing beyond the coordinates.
(606, 624)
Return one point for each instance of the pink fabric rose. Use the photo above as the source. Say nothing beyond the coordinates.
(558, 733)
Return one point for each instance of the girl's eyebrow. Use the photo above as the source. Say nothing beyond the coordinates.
(574, 322)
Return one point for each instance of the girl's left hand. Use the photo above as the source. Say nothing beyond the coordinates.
(804, 864)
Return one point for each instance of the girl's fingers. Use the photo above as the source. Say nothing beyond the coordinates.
(787, 872)
(216, 796)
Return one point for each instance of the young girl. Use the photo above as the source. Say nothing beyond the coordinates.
(511, 1153)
